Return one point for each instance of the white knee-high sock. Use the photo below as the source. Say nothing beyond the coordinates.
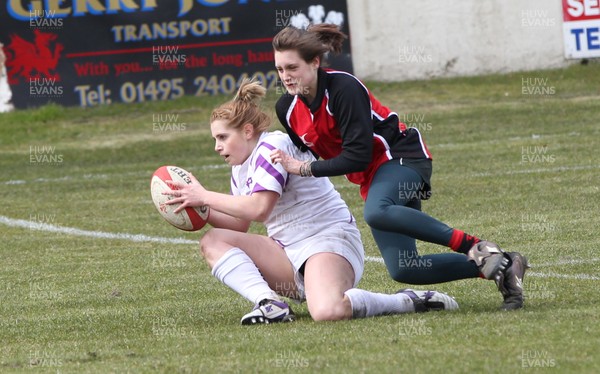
(236, 270)
(369, 304)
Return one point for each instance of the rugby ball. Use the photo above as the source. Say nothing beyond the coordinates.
(189, 219)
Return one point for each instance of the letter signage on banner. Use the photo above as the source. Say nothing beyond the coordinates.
(94, 52)
(581, 25)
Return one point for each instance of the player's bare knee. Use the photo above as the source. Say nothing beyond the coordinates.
(208, 247)
(326, 315)
(328, 311)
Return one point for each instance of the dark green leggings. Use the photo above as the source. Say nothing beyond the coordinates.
(393, 211)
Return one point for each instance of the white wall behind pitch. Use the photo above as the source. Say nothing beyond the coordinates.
(395, 40)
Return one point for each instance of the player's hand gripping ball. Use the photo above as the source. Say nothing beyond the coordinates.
(189, 219)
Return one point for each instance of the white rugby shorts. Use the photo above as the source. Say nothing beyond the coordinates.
(342, 239)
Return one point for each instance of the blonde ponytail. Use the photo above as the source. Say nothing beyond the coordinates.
(250, 91)
(244, 108)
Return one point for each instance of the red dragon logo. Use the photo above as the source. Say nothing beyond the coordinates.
(24, 57)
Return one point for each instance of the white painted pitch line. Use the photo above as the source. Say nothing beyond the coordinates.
(69, 178)
(540, 170)
(38, 226)
(564, 276)
(536, 266)
(221, 166)
(568, 262)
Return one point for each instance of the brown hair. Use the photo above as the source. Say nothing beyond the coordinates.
(313, 42)
(244, 108)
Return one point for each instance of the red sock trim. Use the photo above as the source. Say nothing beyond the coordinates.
(456, 239)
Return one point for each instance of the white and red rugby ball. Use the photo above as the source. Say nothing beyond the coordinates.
(189, 219)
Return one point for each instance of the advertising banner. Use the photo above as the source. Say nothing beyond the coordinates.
(581, 27)
(93, 52)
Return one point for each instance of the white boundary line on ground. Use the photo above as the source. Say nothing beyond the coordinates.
(540, 170)
(69, 178)
(39, 226)
(568, 262)
(221, 166)
(565, 276)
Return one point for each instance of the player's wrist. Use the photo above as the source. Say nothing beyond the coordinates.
(306, 169)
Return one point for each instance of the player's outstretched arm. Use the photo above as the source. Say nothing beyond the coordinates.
(255, 207)
(221, 220)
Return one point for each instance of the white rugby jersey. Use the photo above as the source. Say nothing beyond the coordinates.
(306, 205)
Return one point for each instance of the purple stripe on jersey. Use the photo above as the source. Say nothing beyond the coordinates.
(280, 243)
(261, 162)
(266, 145)
(257, 188)
(233, 180)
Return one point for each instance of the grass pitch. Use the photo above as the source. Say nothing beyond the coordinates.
(515, 161)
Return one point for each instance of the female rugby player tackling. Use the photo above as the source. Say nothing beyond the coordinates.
(313, 250)
(332, 114)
